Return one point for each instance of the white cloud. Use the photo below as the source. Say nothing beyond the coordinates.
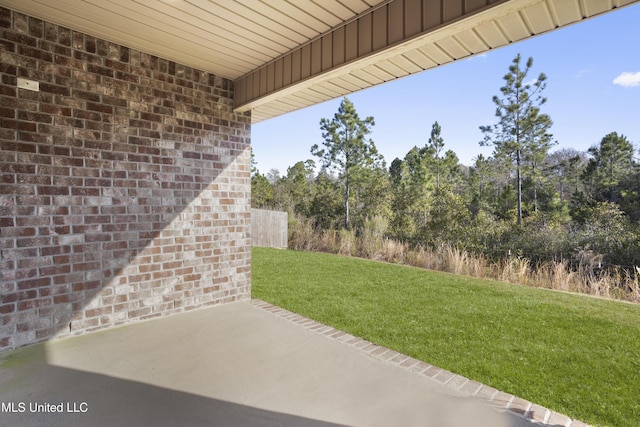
(582, 72)
(627, 79)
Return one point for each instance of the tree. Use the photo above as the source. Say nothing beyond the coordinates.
(445, 167)
(371, 194)
(254, 164)
(611, 163)
(436, 144)
(420, 182)
(520, 125)
(346, 146)
(478, 183)
(411, 184)
(326, 204)
(261, 191)
(535, 153)
(273, 176)
(566, 167)
(297, 185)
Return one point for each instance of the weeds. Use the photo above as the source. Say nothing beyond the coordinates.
(586, 276)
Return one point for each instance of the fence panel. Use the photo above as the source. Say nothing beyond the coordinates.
(269, 228)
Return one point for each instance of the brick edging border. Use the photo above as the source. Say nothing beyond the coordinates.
(496, 398)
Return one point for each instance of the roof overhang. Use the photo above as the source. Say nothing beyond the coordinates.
(285, 55)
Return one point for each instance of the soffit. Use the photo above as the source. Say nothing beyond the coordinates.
(238, 39)
(489, 28)
(228, 38)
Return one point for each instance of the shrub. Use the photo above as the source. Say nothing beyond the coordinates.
(583, 273)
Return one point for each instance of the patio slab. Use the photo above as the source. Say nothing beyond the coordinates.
(240, 364)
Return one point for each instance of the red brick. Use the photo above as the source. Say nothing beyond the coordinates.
(103, 176)
(98, 311)
(139, 312)
(34, 283)
(7, 308)
(55, 250)
(18, 296)
(55, 89)
(53, 191)
(33, 304)
(60, 299)
(7, 222)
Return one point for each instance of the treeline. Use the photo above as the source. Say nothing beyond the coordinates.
(579, 201)
(524, 201)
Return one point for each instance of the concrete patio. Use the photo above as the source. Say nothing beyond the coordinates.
(242, 364)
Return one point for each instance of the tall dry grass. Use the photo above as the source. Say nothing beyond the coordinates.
(588, 277)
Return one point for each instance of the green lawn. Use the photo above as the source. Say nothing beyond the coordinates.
(577, 355)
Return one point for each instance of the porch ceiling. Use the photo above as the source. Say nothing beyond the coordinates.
(259, 43)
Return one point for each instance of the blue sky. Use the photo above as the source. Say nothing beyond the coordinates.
(593, 88)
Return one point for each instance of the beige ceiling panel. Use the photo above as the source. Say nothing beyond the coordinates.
(434, 52)
(328, 90)
(309, 28)
(308, 12)
(538, 17)
(407, 66)
(491, 34)
(108, 25)
(565, 11)
(340, 10)
(378, 73)
(278, 107)
(238, 24)
(420, 59)
(240, 28)
(354, 81)
(594, 7)
(293, 100)
(297, 99)
(282, 107)
(315, 97)
(358, 6)
(266, 112)
(453, 48)
(310, 96)
(513, 27)
(391, 68)
(291, 103)
(273, 109)
(174, 22)
(370, 79)
(347, 84)
(239, 12)
(470, 40)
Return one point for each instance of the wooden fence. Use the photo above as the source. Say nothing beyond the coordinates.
(269, 228)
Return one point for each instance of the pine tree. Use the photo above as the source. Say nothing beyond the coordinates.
(610, 165)
(346, 146)
(521, 129)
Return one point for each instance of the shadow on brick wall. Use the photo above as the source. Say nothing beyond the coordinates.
(124, 186)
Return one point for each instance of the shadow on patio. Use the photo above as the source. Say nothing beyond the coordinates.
(229, 365)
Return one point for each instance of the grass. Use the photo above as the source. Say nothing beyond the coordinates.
(583, 275)
(576, 355)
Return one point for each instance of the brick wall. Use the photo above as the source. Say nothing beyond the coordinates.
(124, 186)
